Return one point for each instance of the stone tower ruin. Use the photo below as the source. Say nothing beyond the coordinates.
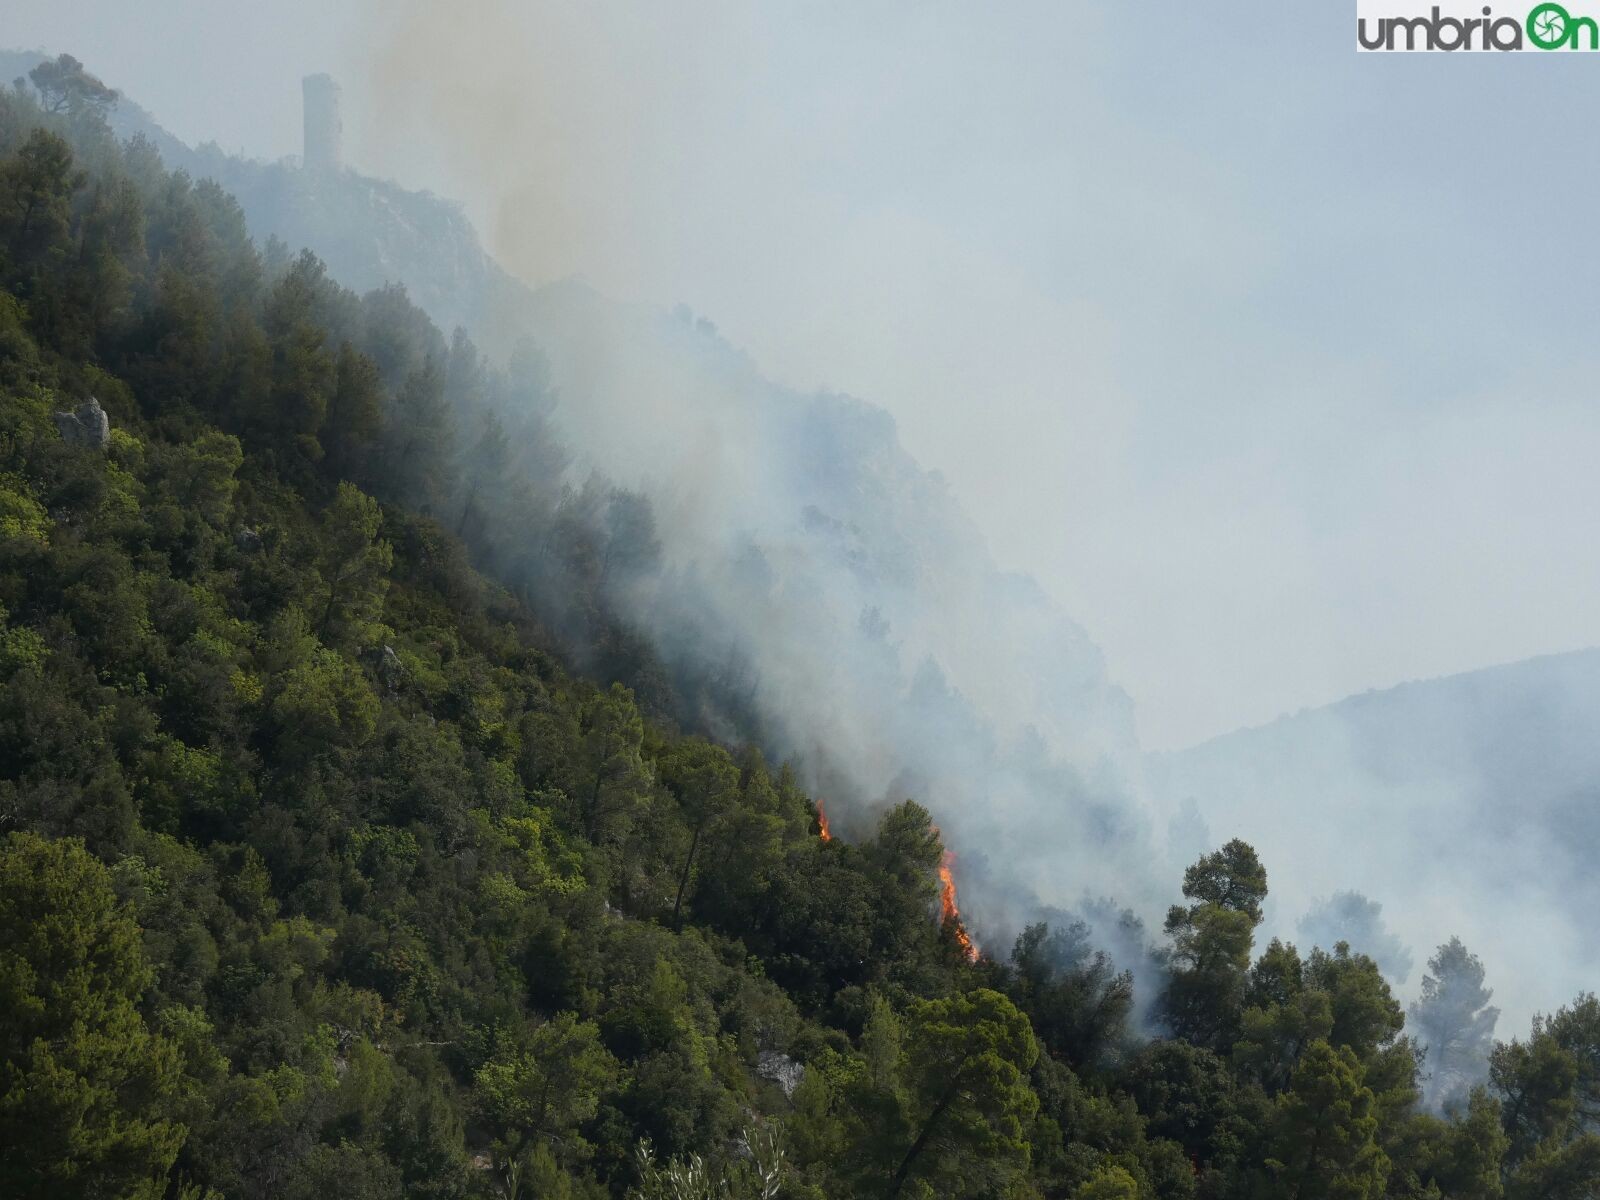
(324, 131)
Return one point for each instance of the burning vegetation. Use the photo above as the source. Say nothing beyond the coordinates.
(949, 913)
(949, 910)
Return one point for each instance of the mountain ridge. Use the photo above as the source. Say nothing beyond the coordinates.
(1355, 699)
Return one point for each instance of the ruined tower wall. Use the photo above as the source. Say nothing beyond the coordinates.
(324, 130)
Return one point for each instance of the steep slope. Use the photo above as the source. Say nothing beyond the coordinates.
(817, 586)
(858, 607)
(319, 874)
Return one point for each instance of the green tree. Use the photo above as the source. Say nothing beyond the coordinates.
(355, 411)
(967, 1103)
(1559, 1171)
(1576, 1029)
(486, 464)
(611, 771)
(354, 563)
(629, 543)
(904, 859)
(421, 441)
(1211, 941)
(1108, 1183)
(1285, 1016)
(303, 374)
(84, 1084)
(1465, 1162)
(318, 699)
(1076, 1000)
(1365, 1013)
(1323, 1132)
(93, 294)
(65, 87)
(1189, 1095)
(1231, 878)
(1454, 1022)
(200, 477)
(36, 189)
(705, 782)
(549, 1084)
(1536, 1083)
(745, 850)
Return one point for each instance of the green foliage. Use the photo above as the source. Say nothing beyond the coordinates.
(1460, 1159)
(1536, 1082)
(704, 781)
(1191, 1096)
(551, 1082)
(65, 87)
(36, 189)
(1323, 1141)
(1211, 940)
(1559, 1171)
(1231, 878)
(320, 699)
(1576, 1029)
(1108, 1183)
(942, 1101)
(83, 1080)
(352, 847)
(1077, 1001)
(1454, 1020)
(354, 566)
(21, 516)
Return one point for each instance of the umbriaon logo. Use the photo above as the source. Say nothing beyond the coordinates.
(1546, 26)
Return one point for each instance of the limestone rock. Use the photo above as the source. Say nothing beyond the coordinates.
(781, 1070)
(87, 425)
(391, 672)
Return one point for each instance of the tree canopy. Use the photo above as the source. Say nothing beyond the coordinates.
(356, 845)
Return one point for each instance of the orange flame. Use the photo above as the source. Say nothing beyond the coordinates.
(822, 823)
(948, 912)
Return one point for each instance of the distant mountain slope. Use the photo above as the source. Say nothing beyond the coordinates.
(1523, 727)
(1469, 804)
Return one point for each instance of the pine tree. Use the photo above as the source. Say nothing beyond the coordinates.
(1455, 1023)
(1211, 941)
(1323, 1135)
(84, 1083)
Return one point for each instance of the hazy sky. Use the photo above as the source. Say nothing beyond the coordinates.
(1273, 362)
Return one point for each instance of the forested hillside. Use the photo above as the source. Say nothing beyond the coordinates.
(333, 866)
(809, 586)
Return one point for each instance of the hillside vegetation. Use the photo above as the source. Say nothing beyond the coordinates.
(1472, 798)
(332, 867)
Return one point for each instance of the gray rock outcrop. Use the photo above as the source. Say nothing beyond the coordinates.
(87, 425)
(781, 1070)
(391, 672)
